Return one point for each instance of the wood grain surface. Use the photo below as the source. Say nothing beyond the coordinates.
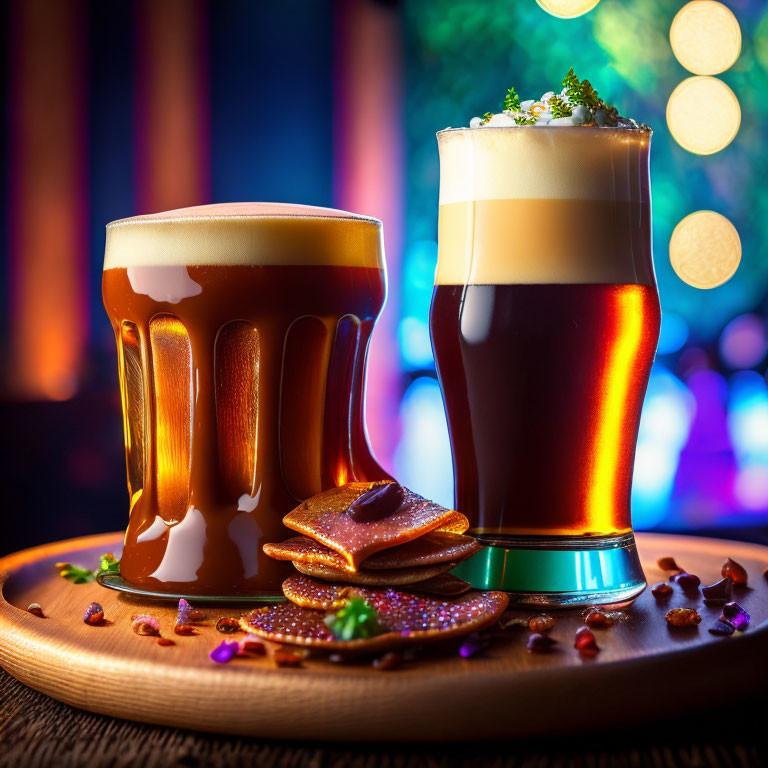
(641, 673)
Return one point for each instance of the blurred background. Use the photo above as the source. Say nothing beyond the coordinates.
(113, 109)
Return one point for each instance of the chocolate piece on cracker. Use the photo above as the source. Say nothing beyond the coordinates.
(324, 518)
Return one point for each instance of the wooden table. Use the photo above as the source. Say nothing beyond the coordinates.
(38, 731)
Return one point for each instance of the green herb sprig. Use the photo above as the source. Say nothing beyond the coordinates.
(511, 101)
(559, 108)
(355, 620)
(108, 563)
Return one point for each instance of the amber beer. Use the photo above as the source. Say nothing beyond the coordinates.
(242, 333)
(545, 318)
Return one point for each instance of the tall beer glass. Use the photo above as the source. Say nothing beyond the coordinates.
(241, 334)
(545, 318)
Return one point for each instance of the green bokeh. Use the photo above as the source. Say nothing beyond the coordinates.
(462, 55)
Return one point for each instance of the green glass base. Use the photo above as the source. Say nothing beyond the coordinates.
(557, 572)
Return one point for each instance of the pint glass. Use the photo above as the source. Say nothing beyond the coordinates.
(545, 318)
(241, 336)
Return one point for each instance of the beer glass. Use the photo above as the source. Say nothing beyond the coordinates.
(544, 321)
(241, 333)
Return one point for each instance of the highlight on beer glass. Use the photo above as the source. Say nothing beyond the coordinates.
(242, 333)
(545, 319)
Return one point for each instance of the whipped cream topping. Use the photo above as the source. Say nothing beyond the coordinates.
(576, 104)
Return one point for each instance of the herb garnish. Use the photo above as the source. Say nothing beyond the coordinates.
(354, 621)
(108, 563)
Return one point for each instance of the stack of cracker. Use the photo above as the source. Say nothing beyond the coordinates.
(377, 535)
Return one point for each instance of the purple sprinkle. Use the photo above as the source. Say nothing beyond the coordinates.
(686, 581)
(721, 628)
(183, 616)
(734, 614)
(472, 645)
(222, 653)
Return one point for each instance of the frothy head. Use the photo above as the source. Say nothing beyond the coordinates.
(245, 234)
(545, 205)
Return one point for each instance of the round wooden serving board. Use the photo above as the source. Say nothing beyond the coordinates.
(645, 670)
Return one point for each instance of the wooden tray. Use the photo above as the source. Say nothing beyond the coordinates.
(644, 670)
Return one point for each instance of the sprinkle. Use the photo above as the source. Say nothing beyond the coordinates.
(195, 614)
(94, 614)
(721, 628)
(74, 573)
(251, 645)
(285, 658)
(734, 614)
(662, 590)
(735, 571)
(227, 625)
(184, 629)
(683, 617)
(541, 623)
(145, 625)
(598, 618)
(668, 564)
(224, 652)
(36, 610)
(719, 592)
(473, 645)
(585, 642)
(182, 617)
(538, 643)
(165, 641)
(390, 660)
(687, 582)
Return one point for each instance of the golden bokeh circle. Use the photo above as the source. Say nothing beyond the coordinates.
(567, 9)
(705, 37)
(703, 115)
(705, 249)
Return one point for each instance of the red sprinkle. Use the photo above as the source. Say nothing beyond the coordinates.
(661, 590)
(585, 642)
(668, 564)
(283, 658)
(598, 618)
(683, 617)
(195, 614)
(541, 623)
(227, 625)
(736, 572)
(184, 629)
(252, 645)
(165, 641)
(94, 615)
(36, 610)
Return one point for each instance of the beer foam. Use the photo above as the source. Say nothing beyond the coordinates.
(232, 234)
(542, 162)
(544, 205)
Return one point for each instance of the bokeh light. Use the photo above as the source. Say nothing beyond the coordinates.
(705, 249)
(567, 9)
(705, 37)
(703, 115)
(743, 342)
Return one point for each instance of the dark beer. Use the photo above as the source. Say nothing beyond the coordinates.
(241, 379)
(544, 321)
(544, 402)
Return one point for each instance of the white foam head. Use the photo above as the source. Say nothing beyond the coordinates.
(540, 204)
(542, 162)
(243, 234)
